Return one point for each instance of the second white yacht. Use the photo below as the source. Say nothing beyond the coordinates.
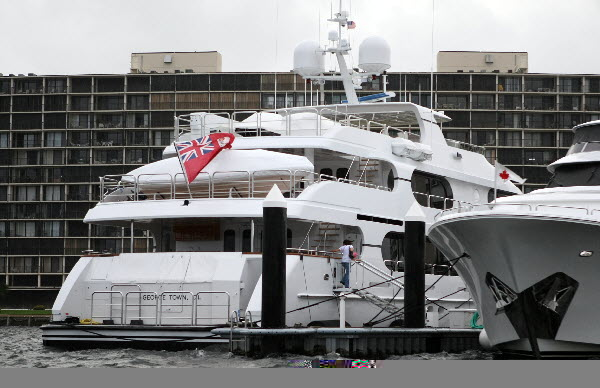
(531, 264)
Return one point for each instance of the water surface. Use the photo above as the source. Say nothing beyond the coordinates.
(21, 347)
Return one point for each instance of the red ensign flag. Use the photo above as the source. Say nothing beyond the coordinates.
(194, 155)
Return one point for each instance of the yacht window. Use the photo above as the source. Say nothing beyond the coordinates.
(431, 190)
(326, 171)
(229, 241)
(289, 238)
(246, 243)
(341, 173)
(392, 251)
(568, 175)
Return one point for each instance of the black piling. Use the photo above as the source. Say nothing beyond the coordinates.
(414, 268)
(273, 261)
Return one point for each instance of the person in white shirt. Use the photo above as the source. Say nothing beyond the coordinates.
(348, 255)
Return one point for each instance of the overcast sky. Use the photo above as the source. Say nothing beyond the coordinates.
(84, 36)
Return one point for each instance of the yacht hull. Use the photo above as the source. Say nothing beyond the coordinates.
(530, 278)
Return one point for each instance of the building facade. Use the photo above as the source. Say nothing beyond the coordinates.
(58, 134)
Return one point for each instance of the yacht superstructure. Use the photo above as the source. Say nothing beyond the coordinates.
(348, 171)
(531, 266)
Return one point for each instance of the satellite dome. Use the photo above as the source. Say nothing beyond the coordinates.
(374, 55)
(309, 59)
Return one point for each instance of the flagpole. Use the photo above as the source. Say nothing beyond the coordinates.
(185, 177)
(495, 179)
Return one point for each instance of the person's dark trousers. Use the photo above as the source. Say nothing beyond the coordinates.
(346, 277)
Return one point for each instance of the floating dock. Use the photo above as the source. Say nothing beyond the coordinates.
(24, 320)
(350, 342)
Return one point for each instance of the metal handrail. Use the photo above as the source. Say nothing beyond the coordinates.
(140, 305)
(221, 188)
(161, 305)
(125, 285)
(529, 207)
(110, 316)
(197, 298)
(378, 272)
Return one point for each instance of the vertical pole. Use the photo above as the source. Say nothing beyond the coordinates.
(414, 268)
(273, 262)
(495, 180)
(131, 238)
(252, 235)
(342, 312)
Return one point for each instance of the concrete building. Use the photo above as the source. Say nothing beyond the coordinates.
(482, 61)
(58, 134)
(176, 62)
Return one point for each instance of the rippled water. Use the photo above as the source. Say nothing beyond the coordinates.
(22, 347)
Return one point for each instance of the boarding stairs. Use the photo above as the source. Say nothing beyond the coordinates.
(377, 301)
(368, 171)
(329, 235)
(374, 299)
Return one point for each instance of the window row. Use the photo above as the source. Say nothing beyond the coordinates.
(86, 138)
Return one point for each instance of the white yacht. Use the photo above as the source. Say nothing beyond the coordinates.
(348, 171)
(531, 266)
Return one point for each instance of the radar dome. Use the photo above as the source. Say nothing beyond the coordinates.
(309, 59)
(374, 55)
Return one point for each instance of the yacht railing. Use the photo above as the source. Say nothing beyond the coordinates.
(188, 305)
(521, 207)
(291, 123)
(219, 184)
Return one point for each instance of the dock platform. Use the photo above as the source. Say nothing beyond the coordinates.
(350, 342)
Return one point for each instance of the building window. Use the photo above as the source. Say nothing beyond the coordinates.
(509, 84)
(509, 120)
(26, 193)
(54, 139)
(109, 138)
(108, 157)
(137, 120)
(509, 138)
(56, 85)
(79, 121)
(4, 136)
(452, 101)
(77, 156)
(81, 103)
(109, 103)
(162, 138)
(52, 229)
(539, 139)
(136, 156)
(24, 229)
(51, 264)
(460, 119)
(484, 138)
(109, 120)
(483, 101)
(540, 84)
(137, 102)
(137, 138)
(53, 193)
(79, 139)
(23, 265)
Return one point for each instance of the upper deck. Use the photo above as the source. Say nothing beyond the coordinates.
(397, 120)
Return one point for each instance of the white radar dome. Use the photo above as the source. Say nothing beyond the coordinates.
(309, 59)
(374, 55)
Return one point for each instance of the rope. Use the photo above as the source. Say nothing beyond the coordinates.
(453, 263)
